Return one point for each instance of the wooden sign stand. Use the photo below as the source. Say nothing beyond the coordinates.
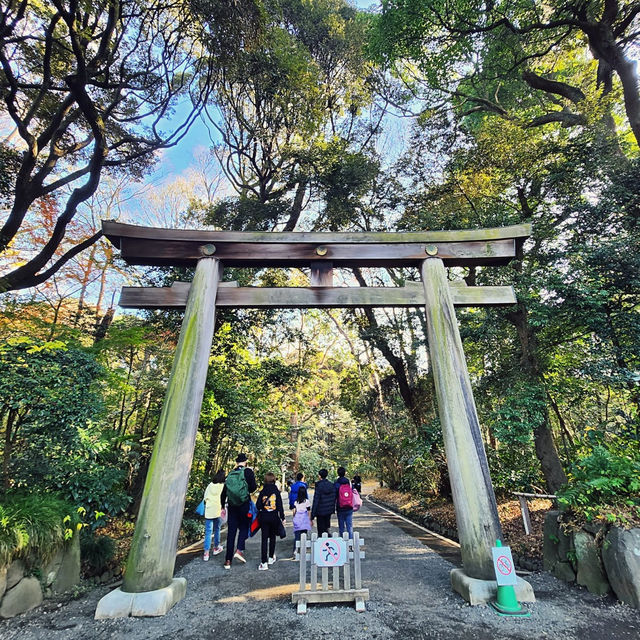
(326, 591)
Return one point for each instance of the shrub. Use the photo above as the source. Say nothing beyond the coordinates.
(97, 552)
(604, 485)
(192, 530)
(97, 487)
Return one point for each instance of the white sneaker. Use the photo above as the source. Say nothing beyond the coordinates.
(217, 550)
(272, 560)
(239, 555)
(205, 557)
(263, 566)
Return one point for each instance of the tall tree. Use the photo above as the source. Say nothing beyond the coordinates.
(285, 104)
(91, 88)
(446, 38)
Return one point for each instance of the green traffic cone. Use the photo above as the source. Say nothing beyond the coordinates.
(507, 603)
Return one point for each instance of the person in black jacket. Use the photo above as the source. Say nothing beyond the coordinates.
(356, 483)
(324, 502)
(270, 512)
(238, 487)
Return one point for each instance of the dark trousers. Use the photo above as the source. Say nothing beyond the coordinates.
(324, 522)
(237, 523)
(269, 531)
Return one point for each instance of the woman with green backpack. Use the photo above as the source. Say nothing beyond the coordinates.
(238, 487)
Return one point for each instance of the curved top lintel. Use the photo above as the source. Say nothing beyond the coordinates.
(115, 231)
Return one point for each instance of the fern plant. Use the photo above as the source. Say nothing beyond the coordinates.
(604, 485)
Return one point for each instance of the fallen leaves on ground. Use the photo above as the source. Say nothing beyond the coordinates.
(508, 511)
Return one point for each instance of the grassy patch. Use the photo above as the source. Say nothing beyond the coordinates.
(34, 526)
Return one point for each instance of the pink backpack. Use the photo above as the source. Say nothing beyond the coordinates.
(357, 500)
(345, 495)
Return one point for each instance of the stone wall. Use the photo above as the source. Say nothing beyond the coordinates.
(21, 591)
(602, 559)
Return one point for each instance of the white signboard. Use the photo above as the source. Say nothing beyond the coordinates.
(330, 552)
(503, 566)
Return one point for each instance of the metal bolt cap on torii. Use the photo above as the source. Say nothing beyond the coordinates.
(149, 573)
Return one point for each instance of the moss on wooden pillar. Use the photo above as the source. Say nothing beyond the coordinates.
(152, 556)
(473, 495)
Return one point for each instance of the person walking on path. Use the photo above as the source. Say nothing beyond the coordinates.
(293, 492)
(356, 483)
(270, 513)
(238, 487)
(344, 502)
(213, 506)
(324, 502)
(301, 521)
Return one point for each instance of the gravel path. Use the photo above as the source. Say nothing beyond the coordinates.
(409, 590)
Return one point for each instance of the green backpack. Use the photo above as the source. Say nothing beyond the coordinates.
(237, 488)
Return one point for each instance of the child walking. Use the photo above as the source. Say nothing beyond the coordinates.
(270, 513)
(301, 520)
(212, 514)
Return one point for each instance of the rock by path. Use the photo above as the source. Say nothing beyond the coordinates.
(410, 599)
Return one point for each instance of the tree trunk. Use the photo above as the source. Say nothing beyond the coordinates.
(396, 363)
(8, 448)
(545, 447)
(213, 445)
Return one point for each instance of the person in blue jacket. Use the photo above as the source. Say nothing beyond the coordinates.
(293, 492)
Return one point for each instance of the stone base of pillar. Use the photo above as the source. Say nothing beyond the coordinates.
(120, 604)
(476, 591)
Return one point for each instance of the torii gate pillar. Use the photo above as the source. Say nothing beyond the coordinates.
(149, 588)
(473, 496)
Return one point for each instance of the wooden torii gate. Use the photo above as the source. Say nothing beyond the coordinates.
(149, 587)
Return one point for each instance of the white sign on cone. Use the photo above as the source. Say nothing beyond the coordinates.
(503, 566)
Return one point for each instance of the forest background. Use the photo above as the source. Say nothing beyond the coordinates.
(317, 115)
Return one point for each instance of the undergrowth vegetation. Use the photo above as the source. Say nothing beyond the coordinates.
(604, 485)
(34, 526)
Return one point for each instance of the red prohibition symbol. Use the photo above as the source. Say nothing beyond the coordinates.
(504, 566)
(332, 553)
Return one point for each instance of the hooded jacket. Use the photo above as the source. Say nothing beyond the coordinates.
(324, 499)
(264, 500)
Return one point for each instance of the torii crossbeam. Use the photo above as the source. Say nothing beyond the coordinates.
(152, 557)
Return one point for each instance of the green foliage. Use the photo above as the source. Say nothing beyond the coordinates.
(48, 396)
(52, 435)
(9, 165)
(238, 214)
(33, 526)
(97, 487)
(192, 529)
(97, 552)
(604, 485)
(518, 411)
